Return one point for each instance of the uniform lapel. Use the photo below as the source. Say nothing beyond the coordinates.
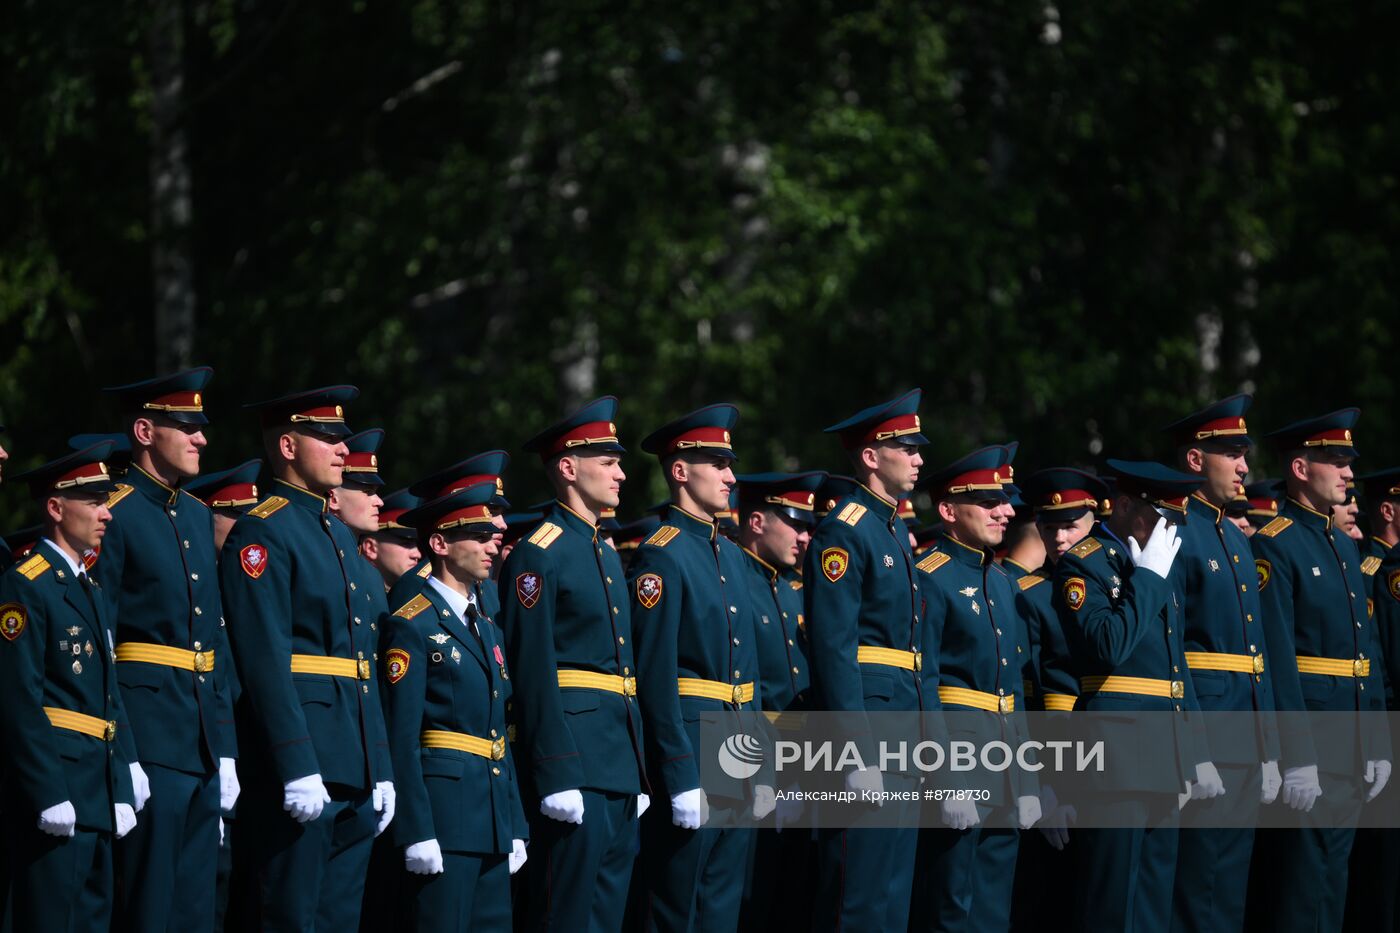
(449, 623)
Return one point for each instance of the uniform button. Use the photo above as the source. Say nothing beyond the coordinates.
(198, 646)
(737, 674)
(372, 627)
(494, 694)
(609, 579)
(614, 610)
(721, 578)
(493, 733)
(1237, 558)
(1358, 625)
(621, 640)
(1249, 617)
(352, 586)
(445, 613)
(357, 620)
(990, 603)
(916, 587)
(784, 615)
(1178, 707)
(1361, 686)
(796, 671)
(201, 678)
(1243, 588)
(1003, 662)
(342, 553)
(1252, 648)
(186, 544)
(1018, 649)
(998, 631)
(495, 770)
(194, 576)
(364, 687)
(600, 550)
(736, 641)
(626, 671)
(733, 608)
(198, 611)
(1169, 631)
(1353, 595)
(1175, 669)
(789, 641)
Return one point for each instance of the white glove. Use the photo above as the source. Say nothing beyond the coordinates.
(1301, 788)
(960, 814)
(1027, 811)
(764, 800)
(869, 779)
(1160, 550)
(384, 798)
(517, 855)
(228, 784)
(305, 798)
(221, 832)
(1057, 819)
(643, 804)
(59, 819)
(566, 806)
(423, 858)
(690, 809)
(1377, 773)
(140, 785)
(125, 817)
(1208, 783)
(1269, 782)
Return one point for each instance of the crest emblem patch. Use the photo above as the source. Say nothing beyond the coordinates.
(835, 560)
(1074, 593)
(13, 618)
(527, 589)
(1392, 583)
(254, 560)
(649, 588)
(1265, 570)
(396, 663)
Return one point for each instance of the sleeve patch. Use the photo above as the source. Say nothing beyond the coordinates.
(1030, 580)
(852, 513)
(1265, 571)
(253, 559)
(835, 560)
(1392, 584)
(527, 589)
(1273, 528)
(121, 492)
(662, 536)
(649, 587)
(545, 535)
(396, 664)
(1086, 547)
(268, 506)
(932, 561)
(1370, 565)
(1074, 590)
(13, 619)
(35, 567)
(414, 606)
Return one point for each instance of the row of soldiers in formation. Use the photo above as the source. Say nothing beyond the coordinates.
(407, 700)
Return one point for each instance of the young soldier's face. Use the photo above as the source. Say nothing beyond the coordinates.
(778, 539)
(979, 524)
(709, 480)
(393, 556)
(82, 518)
(174, 446)
(1223, 470)
(600, 479)
(319, 458)
(897, 465)
(1061, 536)
(470, 553)
(358, 507)
(1325, 476)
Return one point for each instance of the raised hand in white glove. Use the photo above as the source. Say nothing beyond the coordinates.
(566, 806)
(228, 785)
(1377, 773)
(59, 819)
(1208, 783)
(125, 818)
(1301, 788)
(1027, 811)
(140, 785)
(960, 814)
(690, 809)
(867, 779)
(423, 858)
(384, 801)
(643, 804)
(1159, 552)
(1269, 782)
(764, 800)
(305, 798)
(517, 855)
(1057, 819)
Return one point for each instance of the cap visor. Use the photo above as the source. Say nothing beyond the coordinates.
(186, 417)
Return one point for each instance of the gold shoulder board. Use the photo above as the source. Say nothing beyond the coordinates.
(425, 571)
(1273, 528)
(266, 507)
(933, 561)
(1086, 547)
(543, 536)
(33, 568)
(852, 513)
(414, 606)
(1030, 580)
(663, 535)
(1370, 565)
(118, 494)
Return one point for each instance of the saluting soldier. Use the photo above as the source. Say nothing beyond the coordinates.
(305, 713)
(975, 648)
(460, 821)
(159, 566)
(393, 547)
(1119, 602)
(69, 783)
(228, 494)
(1313, 594)
(568, 632)
(696, 653)
(862, 607)
(1228, 657)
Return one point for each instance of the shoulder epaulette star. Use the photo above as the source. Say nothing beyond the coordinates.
(1370, 565)
(852, 513)
(425, 571)
(663, 535)
(932, 561)
(269, 505)
(1086, 547)
(545, 535)
(795, 584)
(121, 492)
(1275, 527)
(35, 567)
(414, 606)
(1030, 580)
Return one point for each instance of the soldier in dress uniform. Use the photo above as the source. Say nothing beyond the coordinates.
(1313, 594)
(393, 547)
(975, 647)
(1228, 657)
(862, 607)
(631, 535)
(1263, 496)
(291, 593)
(567, 623)
(1237, 512)
(1119, 602)
(519, 524)
(696, 653)
(446, 681)
(228, 494)
(159, 567)
(68, 781)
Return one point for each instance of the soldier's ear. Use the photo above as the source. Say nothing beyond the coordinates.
(53, 509)
(1298, 465)
(143, 431)
(369, 548)
(678, 470)
(437, 543)
(947, 511)
(567, 465)
(869, 458)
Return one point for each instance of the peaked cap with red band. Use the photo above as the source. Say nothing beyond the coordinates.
(391, 514)
(178, 396)
(707, 430)
(895, 420)
(486, 467)
(792, 494)
(321, 410)
(1158, 484)
(465, 508)
(592, 428)
(1221, 423)
(982, 474)
(362, 463)
(1062, 494)
(80, 471)
(235, 488)
(1329, 432)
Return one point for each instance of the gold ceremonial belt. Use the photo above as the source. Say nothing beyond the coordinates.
(890, 657)
(166, 656)
(961, 696)
(1336, 667)
(627, 686)
(1142, 686)
(334, 667)
(1214, 661)
(104, 729)
(494, 749)
(715, 690)
(1059, 702)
